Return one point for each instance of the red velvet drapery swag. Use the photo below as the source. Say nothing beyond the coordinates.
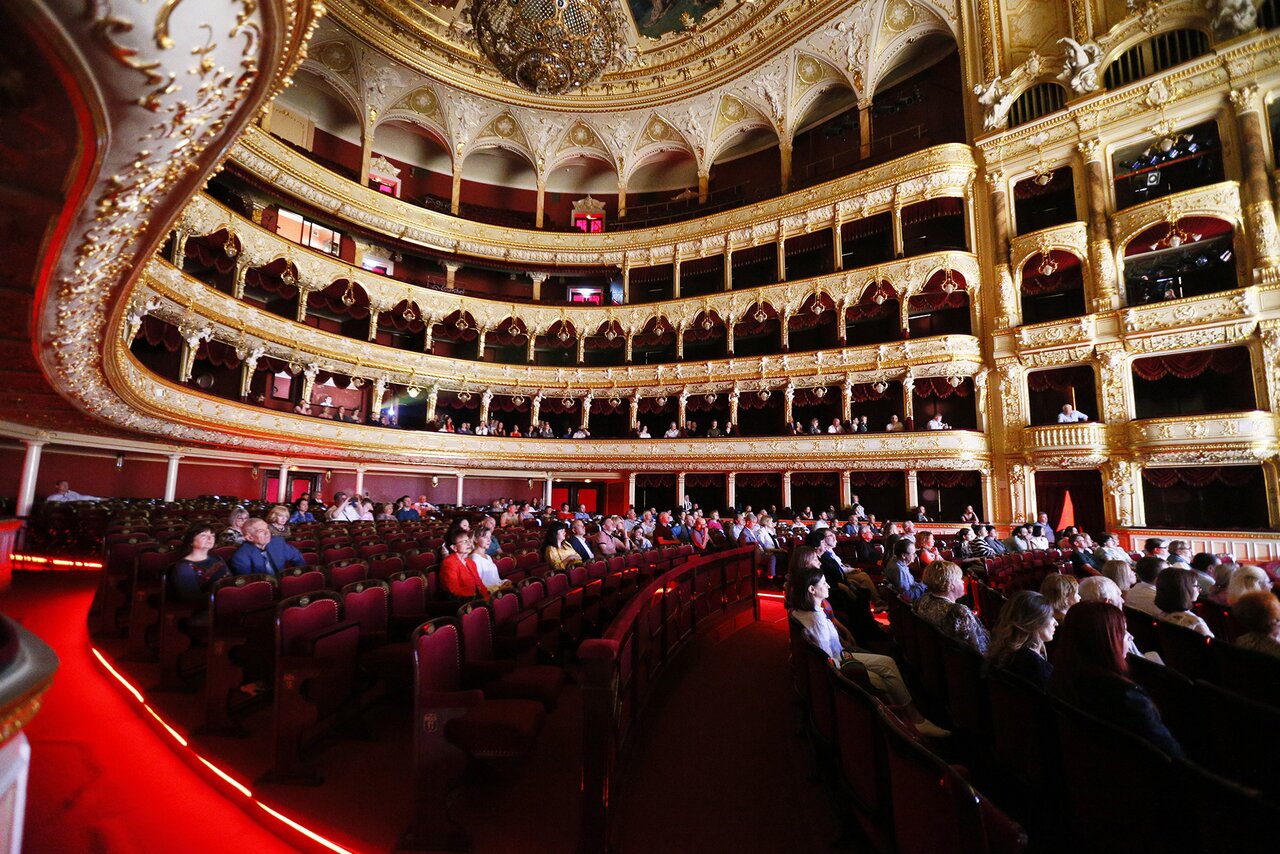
(1186, 366)
(939, 387)
(1199, 476)
(814, 478)
(875, 479)
(1060, 379)
(946, 479)
(655, 481)
(703, 480)
(753, 480)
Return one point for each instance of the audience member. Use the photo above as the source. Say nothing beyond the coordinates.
(807, 590)
(62, 492)
(1203, 566)
(301, 513)
(1017, 644)
(557, 552)
(1083, 556)
(1259, 615)
(233, 534)
(1246, 580)
(1099, 588)
(1090, 672)
(193, 575)
(1121, 574)
(1062, 591)
(969, 517)
(486, 568)
(278, 520)
(945, 583)
(459, 574)
(344, 509)
(897, 572)
(1142, 595)
(405, 511)
(1071, 415)
(1109, 545)
(1176, 591)
(261, 552)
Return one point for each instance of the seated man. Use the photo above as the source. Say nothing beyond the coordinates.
(1070, 415)
(261, 552)
(936, 423)
(897, 572)
(1142, 595)
(1082, 556)
(62, 492)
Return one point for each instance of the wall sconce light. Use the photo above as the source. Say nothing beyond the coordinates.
(328, 474)
(531, 483)
(254, 472)
(119, 460)
(435, 481)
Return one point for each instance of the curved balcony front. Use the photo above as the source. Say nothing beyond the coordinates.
(1231, 437)
(1066, 445)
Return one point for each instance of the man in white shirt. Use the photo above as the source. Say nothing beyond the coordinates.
(344, 509)
(936, 423)
(673, 432)
(894, 425)
(62, 492)
(578, 539)
(1142, 596)
(1070, 415)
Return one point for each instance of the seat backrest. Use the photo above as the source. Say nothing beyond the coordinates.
(477, 632)
(1186, 650)
(966, 695)
(1243, 736)
(422, 561)
(557, 583)
(368, 603)
(1230, 817)
(299, 617)
(532, 591)
(822, 710)
(505, 607)
(1248, 672)
(348, 573)
(1023, 731)
(1143, 628)
(297, 580)
(408, 594)
(386, 566)
(1174, 695)
(437, 653)
(235, 595)
(861, 751)
(333, 555)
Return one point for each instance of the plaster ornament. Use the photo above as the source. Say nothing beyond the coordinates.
(1080, 65)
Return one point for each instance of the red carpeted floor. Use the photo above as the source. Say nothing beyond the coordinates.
(101, 779)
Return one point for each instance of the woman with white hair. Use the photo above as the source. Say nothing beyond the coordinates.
(1245, 580)
(233, 534)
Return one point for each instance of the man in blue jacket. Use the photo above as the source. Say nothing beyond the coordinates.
(261, 552)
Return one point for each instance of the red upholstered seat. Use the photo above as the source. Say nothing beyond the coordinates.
(297, 580)
(344, 573)
(499, 677)
(497, 728)
(385, 566)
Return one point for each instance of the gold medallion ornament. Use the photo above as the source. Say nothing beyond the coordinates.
(546, 46)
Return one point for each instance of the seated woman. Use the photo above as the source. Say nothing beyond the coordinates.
(1121, 573)
(1062, 591)
(939, 607)
(301, 513)
(1017, 644)
(195, 573)
(1038, 540)
(1109, 545)
(1099, 588)
(1245, 580)
(926, 552)
(1090, 672)
(1259, 615)
(556, 550)
(384, 514)
(278, 521)
(485, 565)
(969, 517)
(806, 593)
(1176, 592)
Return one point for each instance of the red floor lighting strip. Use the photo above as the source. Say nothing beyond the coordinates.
(21, 561)
(235, 784)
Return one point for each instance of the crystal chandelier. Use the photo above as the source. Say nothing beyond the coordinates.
(546, 46)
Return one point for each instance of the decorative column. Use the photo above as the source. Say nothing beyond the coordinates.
(538, 279)
(360, 480)
(433, 395)
(309, 381)
(731, 490)
(481, 333)
(784, 150)
(373, 323)
(788, 399)
(1013, 398)
(728, 336)
(628, 345)
(782, 255)
(1259, 209)
(379, 392)
(898, 242)
(300, 314)
(864, 128)
(635, 411)
(191, 340)
(1124, 506)
(366, 148)
(679, 487)
(179, 248)
(546, 491)
(1269, 352)
(171, 478)
(622, 197)
(913, 489)
(30, 474)
(683, 407)
(461, 480)
(988, 495)
(728, 266)
(581, 353)
(631, 490)
(980, 402)
(1022, 493)
(1271, 479)
(282, 488)
(237, 282)
(535, 411)
(679, 330)
(846, 401)
(704, 186)
(585, 420)
(733, 407)
(837, 248)
(675, 276)
(1007, 303)
(247, 369)
(786, 489)
(784, 327)
(846, 489)
(485, 400)
(451, 273)
(909, 399)
(842, 323)
(1105, 293)
(1116, 376)
(626, 281)
(455, 197)
(531, 347)
(542, 202)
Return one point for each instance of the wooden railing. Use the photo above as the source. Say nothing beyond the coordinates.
(621, 669)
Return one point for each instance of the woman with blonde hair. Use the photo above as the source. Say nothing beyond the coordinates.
(1121, 572)
(278, 521)
(1017, 644)
(945, 583)
(1062, 591)
(1259, 616)
(1245, 580)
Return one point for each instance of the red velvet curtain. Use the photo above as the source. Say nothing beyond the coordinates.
(1198, 477)
(158, 333)
(946, 479)
(1059, 379)
(502, 403)
(331, 298)
(650, 405)
(814, 478)
(702, 480)
(750, 400)
(754, 480)
(939, 387)
(932, 209)
(1186, 366)
(656, 481)
(808, 397)
(558, 406)
(218, 354)
(862, 392)
(875, 479)
(210, 253)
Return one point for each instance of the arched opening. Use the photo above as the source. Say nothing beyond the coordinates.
(749, 170)
(576, 178)
(500, 187)
(663, 188)
(760, 413)
(809, 254)
(758, 490)
(651, 284)
(1039, 100)
(655, 343)
(873, 405)
(1190, 257)
(455, 336)
(402, 327)
(557, 346)
(709, 412)
(758, 332)
(1043, 201)
(314, 119)
(952, 398)
(426, 167)
(815, 492)
(875, 317)
(457, 410)
(1052, 287)
(211, 258)
(1154, 55)
(814, 409)
(705, 338)
(1179, 161)
(945, 494)
(814, 326)
(1232, 498)
(941, 307)
(657, 415)
(508, 343)
(342, 307)
(867, 241)
(1194, 383)
(702, 276)
(1083, 487)
(913, 108)
(754, 266)
(605, 347)
(610, 417)
(933, 226)
(828, 140)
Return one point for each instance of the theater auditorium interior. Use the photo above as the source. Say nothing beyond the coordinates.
(651, 426)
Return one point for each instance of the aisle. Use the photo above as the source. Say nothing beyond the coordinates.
(101, 780)
(719, 766)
